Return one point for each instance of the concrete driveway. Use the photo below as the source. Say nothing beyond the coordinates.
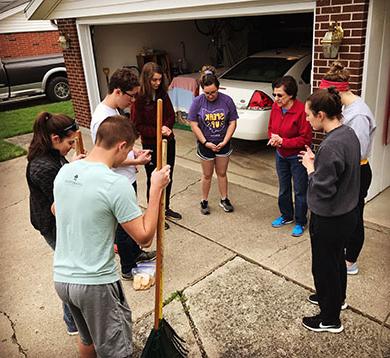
(236, 286)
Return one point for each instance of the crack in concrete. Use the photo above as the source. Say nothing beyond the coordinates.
(13, 204)
(13, 337)
(186, 188)
(193, 327)
(277, 273)
(295, 258)
(285, 247)
(191, 284)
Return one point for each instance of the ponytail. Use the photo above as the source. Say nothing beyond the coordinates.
(326, 100)
(45, 125)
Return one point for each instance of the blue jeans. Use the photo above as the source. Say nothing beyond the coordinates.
(68, 318)
(128, 249)
(290, 168)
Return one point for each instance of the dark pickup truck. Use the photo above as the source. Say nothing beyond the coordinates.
(33, 76)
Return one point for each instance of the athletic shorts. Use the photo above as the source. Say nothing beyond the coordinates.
(205, 153)
(102, 316)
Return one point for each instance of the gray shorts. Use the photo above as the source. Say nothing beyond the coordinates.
(102, 316)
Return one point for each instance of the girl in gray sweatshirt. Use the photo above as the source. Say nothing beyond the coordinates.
(332, 197)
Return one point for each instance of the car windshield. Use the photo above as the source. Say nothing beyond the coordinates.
(260, 69)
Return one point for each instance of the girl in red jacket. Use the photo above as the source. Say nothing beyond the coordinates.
(144, 113)
(289, 132)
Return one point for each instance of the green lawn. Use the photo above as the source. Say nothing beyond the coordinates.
(20, 121)
(10, 151)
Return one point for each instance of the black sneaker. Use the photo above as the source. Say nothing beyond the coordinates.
(204, 207)
(314, 300)
(146, 256)
(169, 213)
(127, 276)
(226, 205)
(315, 324)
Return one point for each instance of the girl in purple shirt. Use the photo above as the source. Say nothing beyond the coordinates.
(213, 117)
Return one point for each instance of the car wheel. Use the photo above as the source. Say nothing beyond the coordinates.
(58, 89)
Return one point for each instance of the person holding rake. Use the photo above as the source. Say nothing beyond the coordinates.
(90, 201)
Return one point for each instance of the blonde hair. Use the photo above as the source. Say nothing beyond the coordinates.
(337, 73)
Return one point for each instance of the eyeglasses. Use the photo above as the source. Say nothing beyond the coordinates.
(278, 95)
(133, 96)
(73, 127)
(212, 93)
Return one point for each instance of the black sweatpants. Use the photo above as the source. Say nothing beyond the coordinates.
(171, 154)
(354, 243)
(328, 235)
(128, 249)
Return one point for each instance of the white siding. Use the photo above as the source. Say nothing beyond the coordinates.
(376, 92)
(108, 8)
(19, 23)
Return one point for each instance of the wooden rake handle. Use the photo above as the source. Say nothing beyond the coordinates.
(79, 143)
(161, 161)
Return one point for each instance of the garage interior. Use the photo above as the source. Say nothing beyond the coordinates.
(182, 47)
(190, 44)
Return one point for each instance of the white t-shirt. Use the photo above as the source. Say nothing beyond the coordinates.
(101, 112)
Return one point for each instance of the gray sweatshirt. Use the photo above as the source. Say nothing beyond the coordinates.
(358, 116)
(334, 185)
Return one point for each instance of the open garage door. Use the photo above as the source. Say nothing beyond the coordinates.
(222, 34)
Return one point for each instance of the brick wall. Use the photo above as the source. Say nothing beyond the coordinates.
(352, 15)
(74, 68)
(26, 44)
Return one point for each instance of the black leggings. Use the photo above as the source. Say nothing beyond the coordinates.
(327, 236)
(354, 243)
(171, 154)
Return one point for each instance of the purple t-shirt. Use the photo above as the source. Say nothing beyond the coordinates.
(213, 117)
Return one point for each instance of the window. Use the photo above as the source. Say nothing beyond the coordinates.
(306, 74)
(260, 69)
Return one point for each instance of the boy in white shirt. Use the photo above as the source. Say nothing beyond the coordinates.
(123, 88)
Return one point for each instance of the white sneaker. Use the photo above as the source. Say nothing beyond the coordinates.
(352, 269)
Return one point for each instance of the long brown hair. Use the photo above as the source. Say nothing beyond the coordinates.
(45, 125)
(149, 69)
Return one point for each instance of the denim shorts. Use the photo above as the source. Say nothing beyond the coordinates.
(205, 153)
(102, 316)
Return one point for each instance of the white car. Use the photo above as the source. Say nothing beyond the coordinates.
(249, 84)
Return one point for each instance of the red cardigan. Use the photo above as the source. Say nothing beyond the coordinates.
(292, 127)
(144, 116)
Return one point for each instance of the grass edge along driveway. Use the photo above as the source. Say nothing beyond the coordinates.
(20, 121)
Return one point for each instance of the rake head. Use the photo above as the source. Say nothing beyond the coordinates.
(164, 343)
